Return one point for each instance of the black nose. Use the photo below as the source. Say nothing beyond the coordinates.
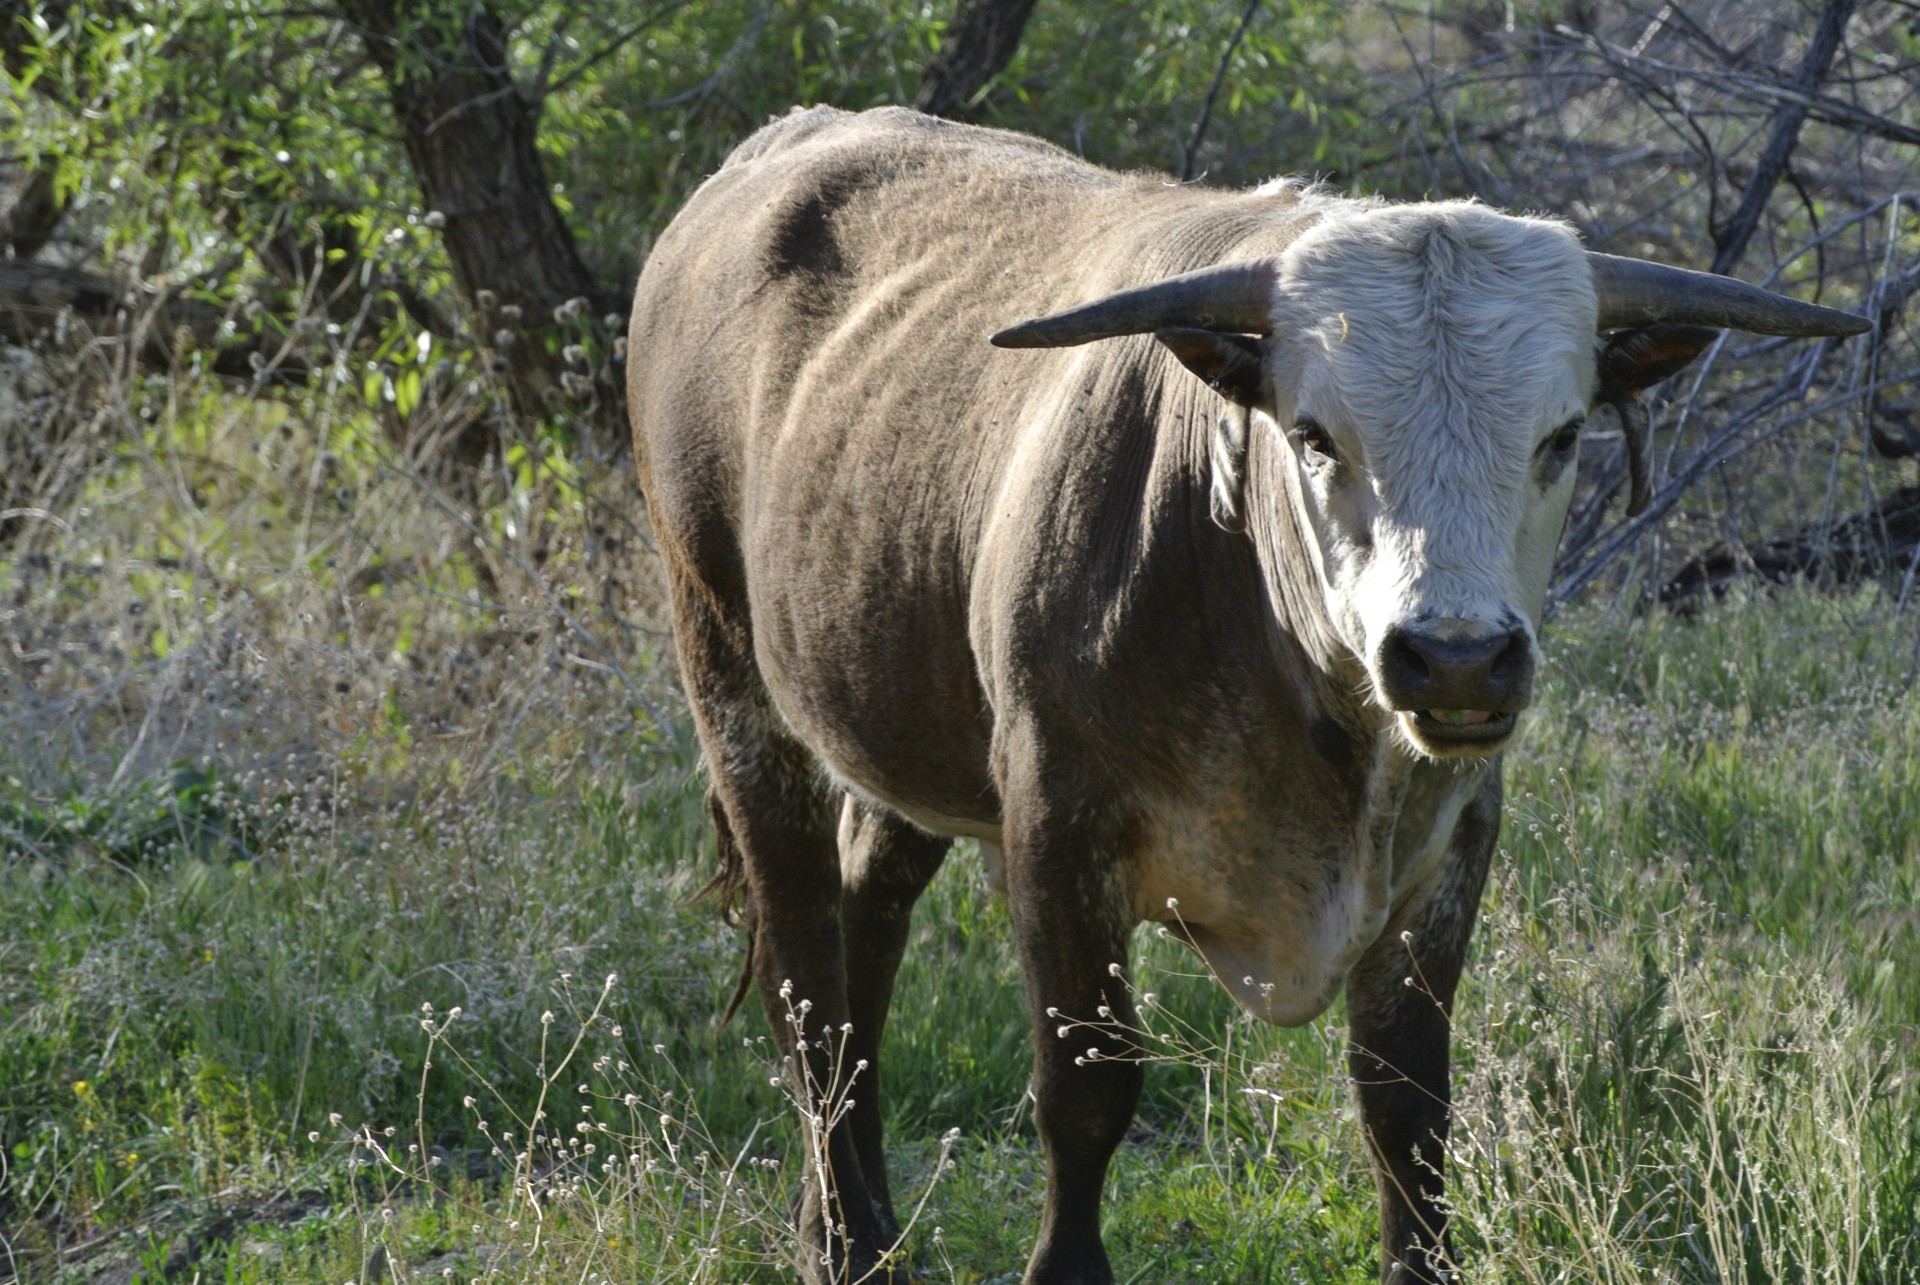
(1457, 665)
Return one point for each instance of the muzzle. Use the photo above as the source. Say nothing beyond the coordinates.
(1459, 683)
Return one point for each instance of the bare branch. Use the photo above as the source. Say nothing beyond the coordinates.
(35, 297)
(1219, 78)
(1732, 440)
(1730, 239)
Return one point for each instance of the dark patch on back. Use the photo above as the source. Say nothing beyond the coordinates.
(1333, 743)
(803, 240)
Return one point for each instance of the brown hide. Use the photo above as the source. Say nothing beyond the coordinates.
(927, 588)
(982, 591)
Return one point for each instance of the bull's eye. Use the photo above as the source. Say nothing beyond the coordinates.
(1564, 439)
(1315, 440)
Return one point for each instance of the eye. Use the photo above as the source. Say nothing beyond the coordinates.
(1564, 438)
(1317, 442)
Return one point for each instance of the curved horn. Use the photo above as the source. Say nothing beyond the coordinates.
(1231, 297)
(1633, 292)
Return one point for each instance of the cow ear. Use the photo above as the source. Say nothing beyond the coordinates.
(1230, 364)
(1631, 362)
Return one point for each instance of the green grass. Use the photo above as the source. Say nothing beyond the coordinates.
(1769, 754)
(236, 867)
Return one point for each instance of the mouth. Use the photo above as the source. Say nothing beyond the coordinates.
(1460, 730)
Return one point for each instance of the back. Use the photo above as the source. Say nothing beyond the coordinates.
(823, 429)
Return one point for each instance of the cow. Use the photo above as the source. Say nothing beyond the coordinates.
(1207, 596)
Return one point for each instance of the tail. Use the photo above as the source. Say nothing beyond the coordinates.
(729, 887)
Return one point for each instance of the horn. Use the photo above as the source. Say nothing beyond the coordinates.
(1230, 297)
(1633, 292)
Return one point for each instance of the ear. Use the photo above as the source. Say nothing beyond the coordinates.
(1631, 362)
(1230, 364)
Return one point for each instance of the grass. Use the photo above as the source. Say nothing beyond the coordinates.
(330, 799)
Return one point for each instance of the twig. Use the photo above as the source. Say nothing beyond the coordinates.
(548, 88)
(1213, 92)
(1730, 239)
(738, 50)
(1722, 448)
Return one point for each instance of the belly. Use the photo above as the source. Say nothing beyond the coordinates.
(882, 691)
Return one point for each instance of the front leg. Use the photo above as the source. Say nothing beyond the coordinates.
(1401, 1032)
(1071, 920)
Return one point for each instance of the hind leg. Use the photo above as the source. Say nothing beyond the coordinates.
(781, 823)
(885, 864)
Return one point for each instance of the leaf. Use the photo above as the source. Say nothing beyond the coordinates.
(406, 392)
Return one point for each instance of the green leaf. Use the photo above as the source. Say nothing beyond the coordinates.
(406, 392)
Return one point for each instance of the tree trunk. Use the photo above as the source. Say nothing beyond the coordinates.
(979, 44)
(469, 135)
(29, 211)
(35, 296)
(1883, 540)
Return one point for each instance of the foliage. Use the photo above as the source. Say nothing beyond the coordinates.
(278, 188)
(272, 125)
(1123, 86)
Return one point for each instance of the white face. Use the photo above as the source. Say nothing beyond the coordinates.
(1432, 423)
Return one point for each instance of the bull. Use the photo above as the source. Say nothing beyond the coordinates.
(1222, 623)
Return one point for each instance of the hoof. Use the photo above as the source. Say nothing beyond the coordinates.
(875, 1258)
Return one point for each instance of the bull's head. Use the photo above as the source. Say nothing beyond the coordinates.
(1411, 382)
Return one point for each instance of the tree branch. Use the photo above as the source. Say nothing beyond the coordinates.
(34, 296)
(1213, 92)
(1730, 239)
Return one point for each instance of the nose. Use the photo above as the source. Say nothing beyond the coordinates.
(1457, 667)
